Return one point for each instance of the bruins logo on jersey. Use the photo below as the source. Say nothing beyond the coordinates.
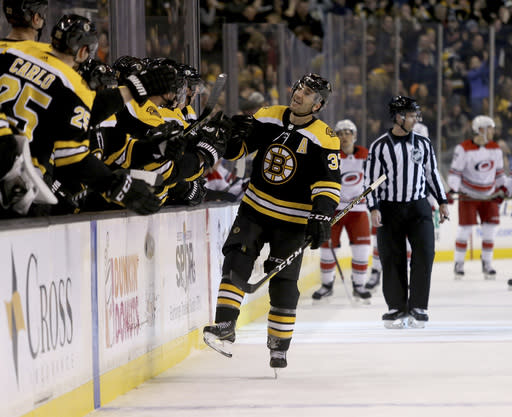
(152, 111)
(279, 164)
(330, 132)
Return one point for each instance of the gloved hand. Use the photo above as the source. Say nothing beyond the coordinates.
(151, 82)
(188, 193)
(196, 192)
(242, 125)
(449, 196)
(168, 137)
(318, 229)
(500, 194)
(134, 194)
(212, 140)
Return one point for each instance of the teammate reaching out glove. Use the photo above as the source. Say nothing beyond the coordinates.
(151, 82)
(168, 137)
(134, 194)
(212, 139)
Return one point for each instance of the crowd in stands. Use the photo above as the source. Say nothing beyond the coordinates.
(465, 54)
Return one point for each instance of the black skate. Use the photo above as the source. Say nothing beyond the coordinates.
(394, 319)
(361, 293)
(374, 280)
(488, 270)
(458, 270)
(510, 284)
(278, 360)
(324, 291)
(417, 318)
(220, 337)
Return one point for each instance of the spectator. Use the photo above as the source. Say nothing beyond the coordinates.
(478, 80)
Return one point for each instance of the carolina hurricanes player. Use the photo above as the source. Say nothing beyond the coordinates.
(356, 223)
(477, 174)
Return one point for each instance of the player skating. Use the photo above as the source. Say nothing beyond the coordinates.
(356, 223)
(293, 192)
(477, 174)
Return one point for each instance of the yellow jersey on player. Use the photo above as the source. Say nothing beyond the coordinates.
(47, 101)
(294, 165)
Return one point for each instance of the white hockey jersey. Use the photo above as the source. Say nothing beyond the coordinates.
(476, 170)
(352, 177)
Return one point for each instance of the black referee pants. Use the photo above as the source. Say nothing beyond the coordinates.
(412, 220)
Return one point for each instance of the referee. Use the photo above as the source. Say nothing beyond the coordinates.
(400, 210)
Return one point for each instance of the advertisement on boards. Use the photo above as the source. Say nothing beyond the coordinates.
(45, 325)
(185, 282)
(129, 289)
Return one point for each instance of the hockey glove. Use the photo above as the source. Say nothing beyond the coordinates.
(449, 196)
(151, 82)
(188, 193)
(212, 140)
(500, 194)
(168, 137)
(242, 127)
(318, 229)
(134, 194)
(196, 192)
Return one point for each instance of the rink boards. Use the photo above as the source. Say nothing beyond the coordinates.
(95, 307)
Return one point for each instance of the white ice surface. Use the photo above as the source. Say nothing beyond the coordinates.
(342, 362)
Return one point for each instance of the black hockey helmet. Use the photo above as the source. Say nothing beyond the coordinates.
(191, 74)
(72, 32)
(19, 12)
(155, 63)
(402, 105)
(97, 74)
(317, 83)
(127, 65)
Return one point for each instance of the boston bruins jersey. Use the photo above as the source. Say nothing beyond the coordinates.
(295, 168)
(189, 114)
(47, 101)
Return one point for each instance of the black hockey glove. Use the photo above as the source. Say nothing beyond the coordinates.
(187, 193)
(134, 194)
(151, 82)
(242, 127)
(196, 192)
(318, 229)
(212, 140)
(168, 137)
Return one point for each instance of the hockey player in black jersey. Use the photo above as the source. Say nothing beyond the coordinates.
(293, 192)
(48, 102)
(27, 18)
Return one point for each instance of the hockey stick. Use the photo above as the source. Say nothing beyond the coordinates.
(250, 288)
(217, 88)
(338, 267)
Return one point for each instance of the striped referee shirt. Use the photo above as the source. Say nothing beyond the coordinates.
(410, 165)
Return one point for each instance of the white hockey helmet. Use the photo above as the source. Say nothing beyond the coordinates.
(346, 124)
(482, 121)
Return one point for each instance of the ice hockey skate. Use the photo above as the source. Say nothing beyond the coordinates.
(417, 318)
(374, 280)
(488, 270)
(324, 291)
(458, 270)
(220, 337)
(361, 293)
(394, 319)
(277, 360)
